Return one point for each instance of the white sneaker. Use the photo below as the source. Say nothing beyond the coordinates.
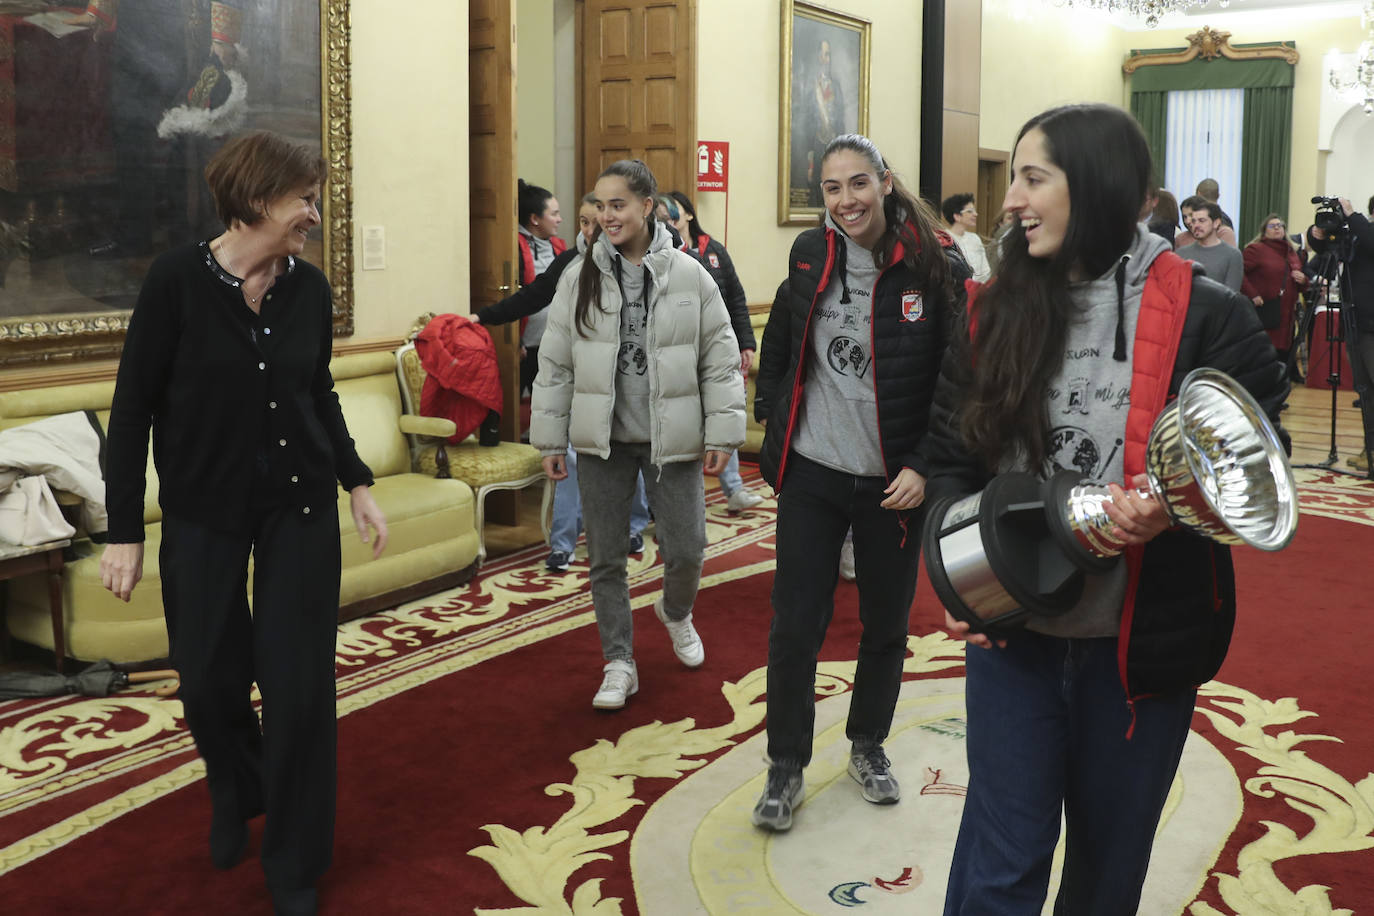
(741, 499)
(686, 643)
(620, 681)
(847, 560)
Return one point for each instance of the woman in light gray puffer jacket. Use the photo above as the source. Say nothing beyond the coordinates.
(638, 371)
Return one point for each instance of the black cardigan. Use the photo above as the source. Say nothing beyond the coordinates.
(226, 392)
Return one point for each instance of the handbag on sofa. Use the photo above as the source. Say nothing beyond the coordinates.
(29, 514)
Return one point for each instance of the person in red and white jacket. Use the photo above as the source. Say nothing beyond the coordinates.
(1085, 331)
(539, 215)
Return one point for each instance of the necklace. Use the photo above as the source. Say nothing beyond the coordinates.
(242, 284)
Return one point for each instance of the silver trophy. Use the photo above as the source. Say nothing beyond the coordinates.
(1213, 460)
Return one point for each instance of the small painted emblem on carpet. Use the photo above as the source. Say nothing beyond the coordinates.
(847, 894)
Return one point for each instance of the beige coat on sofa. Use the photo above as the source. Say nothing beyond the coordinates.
(695, 390)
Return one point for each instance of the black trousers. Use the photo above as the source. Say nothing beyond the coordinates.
(286, 766)
(816, 506)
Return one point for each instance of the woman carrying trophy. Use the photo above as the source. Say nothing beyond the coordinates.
(1086, 330)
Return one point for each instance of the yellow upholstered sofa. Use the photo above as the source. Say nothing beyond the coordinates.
(432, 525)
(753, 432)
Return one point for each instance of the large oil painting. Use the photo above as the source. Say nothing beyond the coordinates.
(108, 115)
(824, 89)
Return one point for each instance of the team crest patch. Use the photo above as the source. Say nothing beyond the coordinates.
(715, 261)
(913, 308)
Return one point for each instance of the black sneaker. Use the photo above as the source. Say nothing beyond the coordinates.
(636, 543)
(557, 561)
(781, 794)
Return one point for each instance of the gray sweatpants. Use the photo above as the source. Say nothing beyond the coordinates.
(677, 499)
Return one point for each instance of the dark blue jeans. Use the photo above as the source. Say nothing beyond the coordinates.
(816, 507)
(1047, 726)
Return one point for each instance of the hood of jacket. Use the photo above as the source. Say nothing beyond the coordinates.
(660, 254)
(1123, 279)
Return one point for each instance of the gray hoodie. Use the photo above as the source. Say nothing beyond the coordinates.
(838, 423)
(1089, 400)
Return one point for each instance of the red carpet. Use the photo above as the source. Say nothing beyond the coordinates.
(476, 711)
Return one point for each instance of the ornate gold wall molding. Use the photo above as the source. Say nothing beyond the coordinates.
(1209, 44)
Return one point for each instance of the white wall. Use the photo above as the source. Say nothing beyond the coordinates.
(410, 161)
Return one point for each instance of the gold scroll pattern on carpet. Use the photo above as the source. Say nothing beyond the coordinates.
(1338, 496)
(538, 864)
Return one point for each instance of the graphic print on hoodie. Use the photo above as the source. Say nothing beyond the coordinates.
(838, 421)
(630, 422)
(1091, 396)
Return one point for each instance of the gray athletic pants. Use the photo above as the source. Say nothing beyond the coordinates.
(677, 501)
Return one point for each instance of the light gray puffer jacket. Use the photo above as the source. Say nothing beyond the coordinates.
(696, 393)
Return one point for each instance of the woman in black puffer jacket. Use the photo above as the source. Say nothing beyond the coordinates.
(851, 353)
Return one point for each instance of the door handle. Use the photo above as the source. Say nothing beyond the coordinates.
(506, 287)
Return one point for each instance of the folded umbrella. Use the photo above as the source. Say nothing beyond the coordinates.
(99, 680)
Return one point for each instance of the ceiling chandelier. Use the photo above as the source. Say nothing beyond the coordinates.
(1357, 82)
(1149, 10)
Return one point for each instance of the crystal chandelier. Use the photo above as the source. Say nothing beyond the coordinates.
(1358, 82)
(1149, 10)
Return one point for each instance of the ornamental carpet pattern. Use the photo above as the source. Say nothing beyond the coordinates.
(474, 777)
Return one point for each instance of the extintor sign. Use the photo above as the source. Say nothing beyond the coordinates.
(713, 165)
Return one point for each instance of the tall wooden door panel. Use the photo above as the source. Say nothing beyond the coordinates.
(639, 88)
(491, 151)
(491, 221)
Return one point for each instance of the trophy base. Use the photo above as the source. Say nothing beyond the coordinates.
(992, 559)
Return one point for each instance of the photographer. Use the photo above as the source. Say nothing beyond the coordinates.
(1360, 348)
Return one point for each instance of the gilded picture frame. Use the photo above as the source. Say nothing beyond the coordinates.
(69, 279)
(823, 87)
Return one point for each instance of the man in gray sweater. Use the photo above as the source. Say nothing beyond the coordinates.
(1223, 263)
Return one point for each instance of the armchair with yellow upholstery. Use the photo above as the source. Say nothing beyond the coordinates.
(504, 466)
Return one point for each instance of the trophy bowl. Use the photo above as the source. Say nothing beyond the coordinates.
(1213, 460)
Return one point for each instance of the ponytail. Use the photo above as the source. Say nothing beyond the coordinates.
(530, 200)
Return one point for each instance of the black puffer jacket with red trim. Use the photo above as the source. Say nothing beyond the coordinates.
(911, 326)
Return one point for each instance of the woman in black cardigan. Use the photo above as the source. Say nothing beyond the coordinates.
(227, 359)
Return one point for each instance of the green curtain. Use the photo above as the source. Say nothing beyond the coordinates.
(1221, 73)
(1266, 131)
(1266, 154)
(1151, 109)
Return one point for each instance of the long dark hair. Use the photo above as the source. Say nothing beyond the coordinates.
(642, 184)
(1023, 314)
(530, 200)
(693, 225)
(910, 220)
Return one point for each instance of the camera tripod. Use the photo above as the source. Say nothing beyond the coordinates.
(1331, 280)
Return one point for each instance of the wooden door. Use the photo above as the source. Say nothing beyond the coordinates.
(491, 182)
(992, 188)
(638, 88)
(491, 149)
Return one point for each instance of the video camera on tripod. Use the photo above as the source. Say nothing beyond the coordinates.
(1330, 216)
(1331, 272)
